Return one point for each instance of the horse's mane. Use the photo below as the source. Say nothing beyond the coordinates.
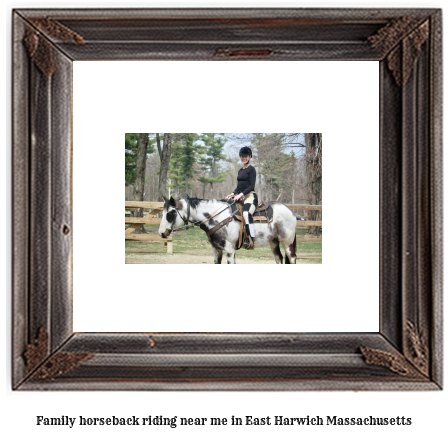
(194, 202)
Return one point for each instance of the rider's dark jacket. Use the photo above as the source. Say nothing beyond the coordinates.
(246, 180)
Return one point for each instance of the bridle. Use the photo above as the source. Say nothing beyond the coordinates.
(187, 220)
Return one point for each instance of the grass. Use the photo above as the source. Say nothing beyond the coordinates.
(194, 241)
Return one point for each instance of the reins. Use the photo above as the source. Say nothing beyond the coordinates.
(197, 224)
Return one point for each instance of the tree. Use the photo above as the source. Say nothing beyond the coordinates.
(204, 180)
(268, 154)
(137, 148)
(174, 169)
(191, 152)
(213, 154)
(152, 177)
(131, 143)
(313, 163)
(130, 157)
(140, 167)
(208, 164)
(165, 155)
(291, 177)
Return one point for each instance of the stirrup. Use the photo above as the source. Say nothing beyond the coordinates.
(249, 243)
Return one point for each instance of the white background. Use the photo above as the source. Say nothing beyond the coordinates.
(427, 409)
(111, 98)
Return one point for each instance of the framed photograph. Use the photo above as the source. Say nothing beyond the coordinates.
(50, 352)
(201, 188)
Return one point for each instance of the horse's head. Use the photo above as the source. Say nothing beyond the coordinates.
(170, 217)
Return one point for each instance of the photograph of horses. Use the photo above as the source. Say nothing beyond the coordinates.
(204, 198)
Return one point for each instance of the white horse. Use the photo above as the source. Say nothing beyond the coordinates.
(281, 229)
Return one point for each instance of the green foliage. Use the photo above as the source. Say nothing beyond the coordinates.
(185, 153)
(276, 169)
(272, 163)
(202, 157)
(190, 154)
(130, 155)
(174, 169)
(205, 180)
(214, 146)
(130, 151)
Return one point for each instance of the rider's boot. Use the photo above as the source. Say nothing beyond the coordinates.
(250, 240)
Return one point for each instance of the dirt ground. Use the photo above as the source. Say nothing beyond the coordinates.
(206, 258)
(191, 247)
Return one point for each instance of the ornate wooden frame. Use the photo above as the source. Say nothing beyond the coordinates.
(406, 354)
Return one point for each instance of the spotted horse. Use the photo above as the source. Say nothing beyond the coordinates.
(201, 212)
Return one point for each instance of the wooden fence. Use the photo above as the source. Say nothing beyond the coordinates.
(307, 224)
(157, 207)
(149, 218)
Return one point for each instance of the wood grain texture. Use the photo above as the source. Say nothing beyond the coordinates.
(142, 220)
(308, 239)
(143, 204)
(40, 201)
(61, 202)
(436, 195)
(146, 237)
(312, 223)
(410, 333)
(390, 207)
(309, 255)
(20, 195)
(304, 207)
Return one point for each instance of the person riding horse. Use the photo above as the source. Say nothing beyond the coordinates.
(245, 189)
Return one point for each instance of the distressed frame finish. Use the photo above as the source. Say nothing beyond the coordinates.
(406, 354)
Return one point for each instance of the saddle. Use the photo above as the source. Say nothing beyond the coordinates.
(263, 213)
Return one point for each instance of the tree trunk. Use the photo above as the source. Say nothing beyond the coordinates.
(211, 184)
(165, 156)
(313, 143)
(176, 188)
(139, 184)
(159, 148)
(186, 185)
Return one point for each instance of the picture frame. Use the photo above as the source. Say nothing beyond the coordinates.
(406, 353)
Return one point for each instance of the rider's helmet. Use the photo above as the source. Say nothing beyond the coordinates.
(245, 151)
